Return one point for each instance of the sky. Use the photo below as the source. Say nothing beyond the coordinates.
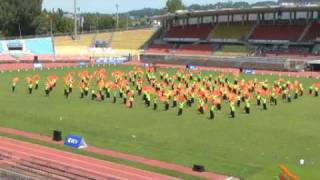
(109, 6)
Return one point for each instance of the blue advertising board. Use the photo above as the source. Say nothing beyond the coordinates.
(75, 141)
(248, 71)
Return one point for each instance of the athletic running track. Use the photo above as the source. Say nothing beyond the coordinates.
(55, 164)
(78, 160)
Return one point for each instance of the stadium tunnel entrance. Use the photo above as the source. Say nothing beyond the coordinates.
(314, 65)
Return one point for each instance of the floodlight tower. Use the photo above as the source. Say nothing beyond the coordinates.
(117, 16)
(75, 20)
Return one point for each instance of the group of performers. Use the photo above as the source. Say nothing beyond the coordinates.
(191, 88)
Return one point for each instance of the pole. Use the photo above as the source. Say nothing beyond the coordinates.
(75, 20)
(117, 6)
(51, 27)
(127, 21)
(20, 31)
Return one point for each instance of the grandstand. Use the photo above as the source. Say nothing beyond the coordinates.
(132, 39)
(281, 31)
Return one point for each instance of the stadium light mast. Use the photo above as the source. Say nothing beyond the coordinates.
(75, 19)
(127, 21)
(20, 33)
(117, 16)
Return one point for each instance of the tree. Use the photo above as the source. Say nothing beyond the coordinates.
(174, 5)
(15, 13)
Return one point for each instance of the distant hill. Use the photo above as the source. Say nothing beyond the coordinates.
(147, 12)
(300, 1)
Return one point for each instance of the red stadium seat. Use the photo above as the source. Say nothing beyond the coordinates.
(191, 31)
(205, 49)
(278, 32)
(160, 48)
(313, 32)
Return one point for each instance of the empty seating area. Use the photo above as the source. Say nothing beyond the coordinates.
(231, 31)
(84, 40)
(235, 48)
(313, 32)
(160, 48)
(133, 39)
(191, 31)
(278, 32)
(205, 49)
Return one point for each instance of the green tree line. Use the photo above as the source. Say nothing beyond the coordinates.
(29, 18)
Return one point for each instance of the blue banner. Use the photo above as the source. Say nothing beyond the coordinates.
(248, 71)
(75, 141)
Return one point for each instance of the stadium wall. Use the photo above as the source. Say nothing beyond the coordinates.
(274, 64)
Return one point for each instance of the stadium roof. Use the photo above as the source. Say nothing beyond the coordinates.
(253, 10)
(299, 1)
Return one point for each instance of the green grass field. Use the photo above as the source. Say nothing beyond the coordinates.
(249, 146)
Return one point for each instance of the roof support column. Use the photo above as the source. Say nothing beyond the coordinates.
(318, 15)
(274, 17)
(290, 17)
(212, 20)
(183, 22)
(232, 18)
(307, 19)
(242, 19)
(198, 21)
(247, 17)
(228, 19)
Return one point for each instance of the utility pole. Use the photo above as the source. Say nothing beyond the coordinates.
(117, 16)
(127, 21)
(20, 31)
(75, 20)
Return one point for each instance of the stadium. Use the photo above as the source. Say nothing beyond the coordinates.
(224, 93)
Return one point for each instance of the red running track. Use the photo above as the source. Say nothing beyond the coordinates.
(76, 166)
(124, 156)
